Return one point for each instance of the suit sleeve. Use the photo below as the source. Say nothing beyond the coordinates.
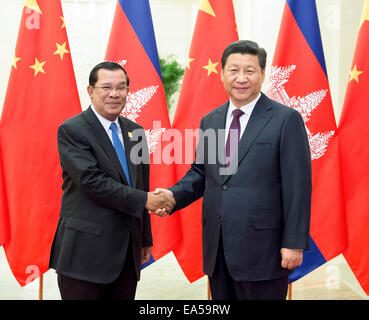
(191, 187)
(80, 165)
(146, 234)
(295, 163)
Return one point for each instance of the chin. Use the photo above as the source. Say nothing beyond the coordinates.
(242, 100)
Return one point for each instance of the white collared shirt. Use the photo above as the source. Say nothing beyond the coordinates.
(244, 119)
(106, 125)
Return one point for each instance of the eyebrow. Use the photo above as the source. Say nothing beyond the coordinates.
(247, 66)
(108, 83)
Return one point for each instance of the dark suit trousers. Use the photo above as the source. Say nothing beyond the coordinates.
(223, 287)
(123, 288)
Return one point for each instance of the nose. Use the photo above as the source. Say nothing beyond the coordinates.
(114, 92)
(242, 77)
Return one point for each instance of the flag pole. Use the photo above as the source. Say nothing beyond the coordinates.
(41, 288)
(209, 292)
(289, 293)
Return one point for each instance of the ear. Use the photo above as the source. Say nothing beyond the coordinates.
(263, 74)
(221, 75)
(90, 91)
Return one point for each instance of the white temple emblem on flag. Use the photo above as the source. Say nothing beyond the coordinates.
(135, 101)
(275, 90)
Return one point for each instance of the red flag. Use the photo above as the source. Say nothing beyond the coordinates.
(132, 44)
(353, 134)
(4, 219)
(202, 91)
(41, 94)
(299, 79)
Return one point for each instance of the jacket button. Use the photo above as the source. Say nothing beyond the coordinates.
(225, 187)
(218, 215)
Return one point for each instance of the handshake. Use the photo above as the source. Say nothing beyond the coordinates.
(160, 202)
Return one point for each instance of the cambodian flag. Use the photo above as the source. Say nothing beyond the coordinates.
(298, 79)
(132, 44)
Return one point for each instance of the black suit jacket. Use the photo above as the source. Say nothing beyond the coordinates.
(265, 204)
(99, 212)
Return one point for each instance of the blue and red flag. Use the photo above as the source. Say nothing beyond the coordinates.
(298, 78)
(132, 44)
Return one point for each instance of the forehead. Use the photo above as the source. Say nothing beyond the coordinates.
(106, 75)
(242, 59)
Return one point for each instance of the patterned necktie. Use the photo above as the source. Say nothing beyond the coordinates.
(233, 139)
(119, 149)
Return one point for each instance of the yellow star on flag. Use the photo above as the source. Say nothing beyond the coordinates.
(38, 66)
(61, 50)
(354, 74)
(189, 60)
(63, 25)
(206, 7)
(15, 60)
(211, 67)
(33, 5)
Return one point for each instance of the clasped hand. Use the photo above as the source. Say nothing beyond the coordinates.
(161, 202)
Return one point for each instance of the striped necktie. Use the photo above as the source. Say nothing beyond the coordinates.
(119, 149)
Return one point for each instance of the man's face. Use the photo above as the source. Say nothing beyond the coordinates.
(242, 78)
(109, 94)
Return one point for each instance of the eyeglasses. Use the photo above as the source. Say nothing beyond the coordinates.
(107, 89)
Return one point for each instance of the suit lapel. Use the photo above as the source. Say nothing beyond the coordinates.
(260, 116)
(103, 139)
(258, 119)
(219, 126)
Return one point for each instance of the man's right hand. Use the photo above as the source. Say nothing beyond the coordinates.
(161, 202)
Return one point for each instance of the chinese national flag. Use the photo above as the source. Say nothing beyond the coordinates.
(202, 91)
(41, 94)
(353, 136)
(298, 79)
(4, 221)
(132, 44)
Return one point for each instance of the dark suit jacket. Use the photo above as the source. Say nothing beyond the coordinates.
(265, 205)
(99, 212)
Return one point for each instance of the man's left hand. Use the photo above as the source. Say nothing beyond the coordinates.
(145, 254)
(291, 258)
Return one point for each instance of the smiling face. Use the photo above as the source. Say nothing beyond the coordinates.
(242, 78)
(109, 103)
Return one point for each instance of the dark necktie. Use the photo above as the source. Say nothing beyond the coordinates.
(233, 139)
(119, 149)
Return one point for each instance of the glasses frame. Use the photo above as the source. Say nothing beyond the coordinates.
(108, 89)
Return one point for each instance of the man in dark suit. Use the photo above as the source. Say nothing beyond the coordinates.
(256, 203)
(103, 234)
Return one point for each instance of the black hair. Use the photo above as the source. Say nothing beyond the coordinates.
(109, 65)
(245, 47)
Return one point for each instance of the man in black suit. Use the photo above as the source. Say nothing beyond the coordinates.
(103, 234)
(256, 203)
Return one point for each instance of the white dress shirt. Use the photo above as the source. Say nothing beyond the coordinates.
(106, 124)
(244, 119)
